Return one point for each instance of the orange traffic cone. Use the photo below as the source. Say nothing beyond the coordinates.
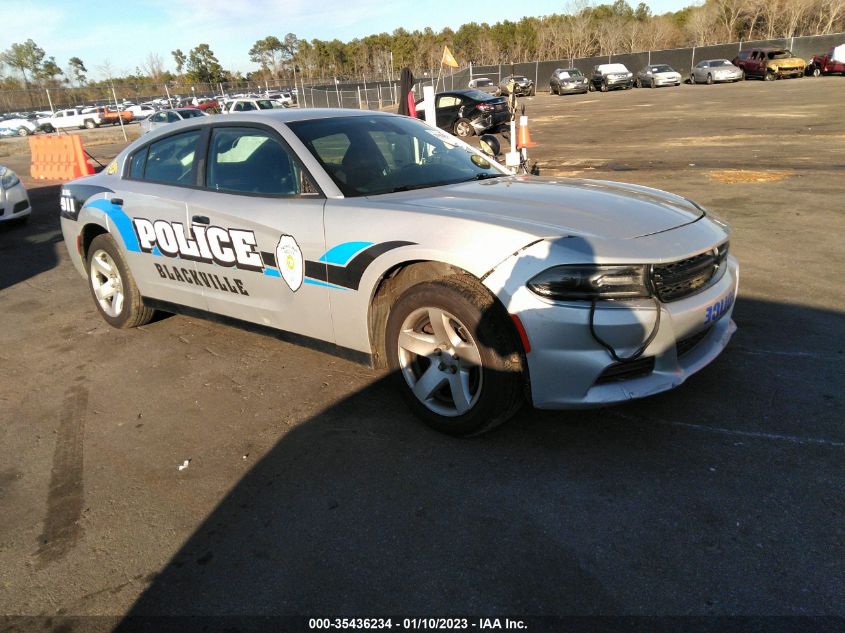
(524, 139)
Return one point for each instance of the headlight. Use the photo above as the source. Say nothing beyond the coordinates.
(8, 178)
(591, 281)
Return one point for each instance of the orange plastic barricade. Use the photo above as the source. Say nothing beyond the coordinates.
(58, 157)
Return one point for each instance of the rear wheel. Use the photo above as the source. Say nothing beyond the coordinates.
(709, 79)
(112, 286)
(639, 83)
(816, 71)
(770, 76)
(454, 356)
(692, 79)
(463, 128)
(22, 131)
(604, 87)
(89, 124)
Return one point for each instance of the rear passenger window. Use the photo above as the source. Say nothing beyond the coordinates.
(171, 160)
(247, 160)
(136, 164)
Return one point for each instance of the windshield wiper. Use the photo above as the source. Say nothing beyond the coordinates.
(484, 176)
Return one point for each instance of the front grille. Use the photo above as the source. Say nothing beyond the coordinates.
(686, 277)
(643, 366)
(685, 345)
(20, 206)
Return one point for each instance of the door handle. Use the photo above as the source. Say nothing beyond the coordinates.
(200, 219)
(117, 201)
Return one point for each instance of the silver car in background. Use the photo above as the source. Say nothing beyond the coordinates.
(658, 75)
(483, 84)
(14, 201)
(568, 80)
(393, 243)
(710, 71)
(166, 117)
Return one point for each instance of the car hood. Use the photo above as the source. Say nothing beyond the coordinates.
(553, 207)
(669, 74)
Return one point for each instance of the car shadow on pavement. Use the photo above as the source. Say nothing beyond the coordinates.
(28, 248)
(675, 504)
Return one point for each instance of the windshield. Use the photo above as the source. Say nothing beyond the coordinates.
(719, 62)
(369, 155)
(782, 54)
(483, 82)
(662, 68)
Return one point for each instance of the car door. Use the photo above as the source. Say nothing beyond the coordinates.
(448, 107)
(149, 212)
(263, 221)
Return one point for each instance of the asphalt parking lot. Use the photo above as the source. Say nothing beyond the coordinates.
(310, 490)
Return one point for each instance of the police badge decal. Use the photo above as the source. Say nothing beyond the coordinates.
(289, 261)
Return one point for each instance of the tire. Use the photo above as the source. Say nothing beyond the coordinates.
(591, 87)
(769, 77)
(653, 84)
(709, 81)
(532, 92)
(692, 79)
(22, 131)
(639, 83)
(463, 128)
(816, 72)
(89, 124)
(122, 307)
(462, 396)
(603, 87)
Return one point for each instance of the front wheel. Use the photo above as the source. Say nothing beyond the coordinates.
(22, 131)
(770, 76)
(463, 128)
(454, 355)
(89, 124)
(604, 87)
(816, 72)
(639, 83)
(692, 80)
(112, 286)
(709, 79)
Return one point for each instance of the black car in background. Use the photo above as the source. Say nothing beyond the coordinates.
(468, 112)
(523, 85)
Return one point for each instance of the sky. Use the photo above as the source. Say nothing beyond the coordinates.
(124, 35)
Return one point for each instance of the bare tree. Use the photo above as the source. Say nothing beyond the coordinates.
(154, 67)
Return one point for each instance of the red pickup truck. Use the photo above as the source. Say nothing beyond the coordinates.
(832, 62)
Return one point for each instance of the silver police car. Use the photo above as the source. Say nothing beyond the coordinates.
(393, 243)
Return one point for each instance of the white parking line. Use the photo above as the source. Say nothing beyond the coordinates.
(722, 431)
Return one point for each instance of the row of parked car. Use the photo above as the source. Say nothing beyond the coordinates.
(483, 107)
(763, 63)
(151, 114)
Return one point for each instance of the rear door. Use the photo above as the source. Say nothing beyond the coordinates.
(262, 219)
(149, 213)
(448, 107)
